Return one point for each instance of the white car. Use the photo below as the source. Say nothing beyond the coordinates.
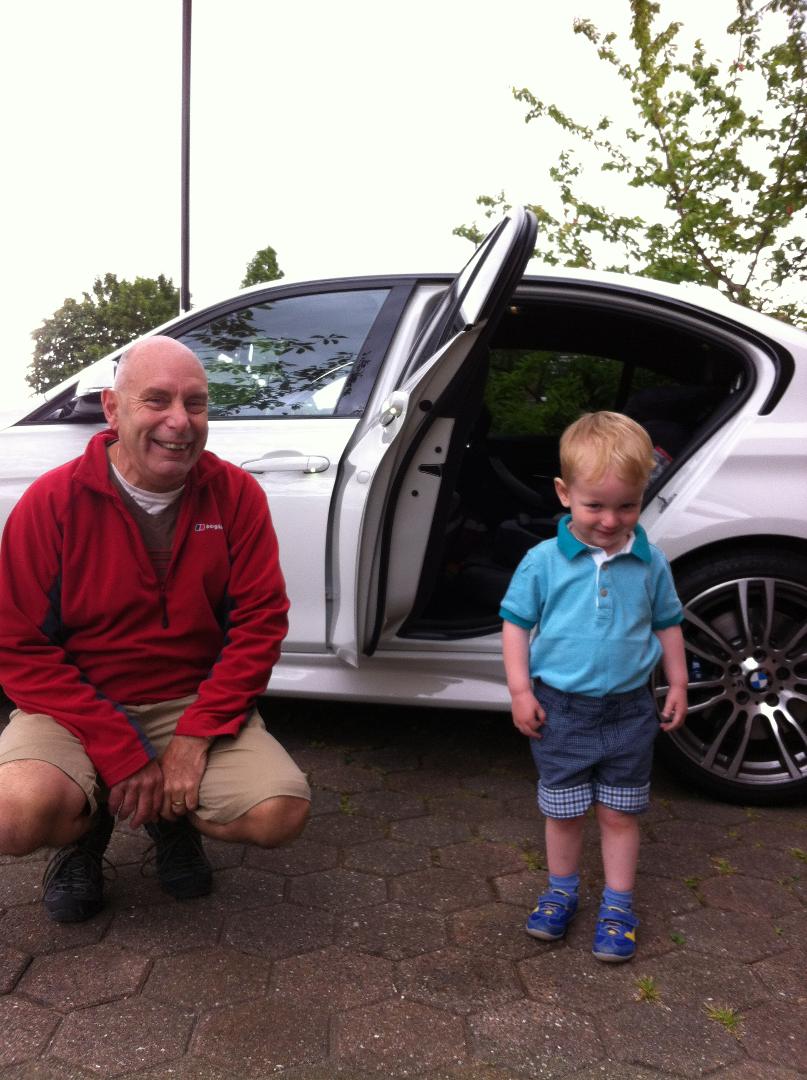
(405, 431)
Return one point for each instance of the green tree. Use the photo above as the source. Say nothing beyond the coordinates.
(262, 267)
(82, 331)
(722, 144)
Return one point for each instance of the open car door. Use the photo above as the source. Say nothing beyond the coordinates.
(393, 470)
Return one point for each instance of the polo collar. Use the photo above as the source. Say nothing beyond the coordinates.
(570, 546)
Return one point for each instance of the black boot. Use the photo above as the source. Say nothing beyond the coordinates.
(73, 885)
(182, 866)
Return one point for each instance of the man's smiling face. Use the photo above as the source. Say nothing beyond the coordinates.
(159, 411)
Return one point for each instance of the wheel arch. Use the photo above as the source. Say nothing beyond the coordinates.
(755, 543)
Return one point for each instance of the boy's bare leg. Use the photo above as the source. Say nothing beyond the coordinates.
(564, 843)
(619, 837)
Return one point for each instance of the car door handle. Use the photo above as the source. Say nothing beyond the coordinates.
(285, 462)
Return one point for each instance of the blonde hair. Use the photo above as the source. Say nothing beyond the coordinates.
(603, 441)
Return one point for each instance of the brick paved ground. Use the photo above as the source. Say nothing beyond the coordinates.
(389, 940)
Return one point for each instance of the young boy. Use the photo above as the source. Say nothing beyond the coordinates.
(602, 601)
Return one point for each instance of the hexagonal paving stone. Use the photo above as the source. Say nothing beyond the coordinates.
(430, 831)
(572, 979)
(465, 806)
(389, 759)
(472, 1071)
(522, 889)
(304, 856)
(387, 857)
(258, 1037)
(769, 863)
(342, 829)
(12, 964)
(284, 930)
(41, 1070)
(30, 930)
(777, 831)
(242, 888)
(388, 805)
(202, 978)
(400, 1035)
(753, 1070)
(420, 782)
(21, 883)
(346, 778)
(785, 974)
(187, 1068)
(393, 930)
(699, 811)
(166, 928)
(683, 1040)
(733, 892)
(123, 1036)
(338, 890)
(616, 1070)
(509, 830)
(664, 895)
(501, 786)
(324, 802)
(534, 1039)
(335, 977)
(459, 980)
(481, 857)
(133, 887)
(741, 938)
(495, 929)
(676, 861)
(24, 1029)
(777, 1035)
(440, 889)
(89, 976)
(127, 846)
(684, 978)
(700, 837)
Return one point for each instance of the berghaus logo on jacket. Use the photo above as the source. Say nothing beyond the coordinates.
(204, 526)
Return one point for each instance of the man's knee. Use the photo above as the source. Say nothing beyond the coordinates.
(279, 820)
(39, 806)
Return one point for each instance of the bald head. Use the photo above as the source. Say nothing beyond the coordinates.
(158, 409)
(163, 352)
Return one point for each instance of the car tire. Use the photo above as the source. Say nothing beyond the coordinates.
(745, 629)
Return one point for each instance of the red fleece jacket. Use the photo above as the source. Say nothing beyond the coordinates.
(85, 624)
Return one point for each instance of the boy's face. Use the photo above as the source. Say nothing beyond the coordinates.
(604, 512)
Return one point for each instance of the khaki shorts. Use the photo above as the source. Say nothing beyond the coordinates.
(242, 770)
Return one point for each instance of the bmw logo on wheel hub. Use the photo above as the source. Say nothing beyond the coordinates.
(759, 681)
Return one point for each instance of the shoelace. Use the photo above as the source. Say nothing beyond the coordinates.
(73, 871)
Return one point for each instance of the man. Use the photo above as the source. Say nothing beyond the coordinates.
(142, 609)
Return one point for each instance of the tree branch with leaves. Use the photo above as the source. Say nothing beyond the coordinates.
(721, 142)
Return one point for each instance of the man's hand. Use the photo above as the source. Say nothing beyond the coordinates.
(139, 796)
(528, 715)
(183, 765)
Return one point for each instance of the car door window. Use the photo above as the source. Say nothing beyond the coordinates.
(287, 357)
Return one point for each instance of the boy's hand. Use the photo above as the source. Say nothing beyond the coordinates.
(675, 708)
(528, 716)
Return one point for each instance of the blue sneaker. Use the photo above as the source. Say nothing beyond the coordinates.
(552, 915)
(615, 936)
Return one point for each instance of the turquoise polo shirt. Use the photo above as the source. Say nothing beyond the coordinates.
(594, 624)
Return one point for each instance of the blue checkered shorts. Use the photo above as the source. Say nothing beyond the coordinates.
(594, 750)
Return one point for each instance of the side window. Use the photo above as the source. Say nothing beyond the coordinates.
(536, 392)
(285, 357)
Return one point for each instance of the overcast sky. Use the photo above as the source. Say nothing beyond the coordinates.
(352, 136)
